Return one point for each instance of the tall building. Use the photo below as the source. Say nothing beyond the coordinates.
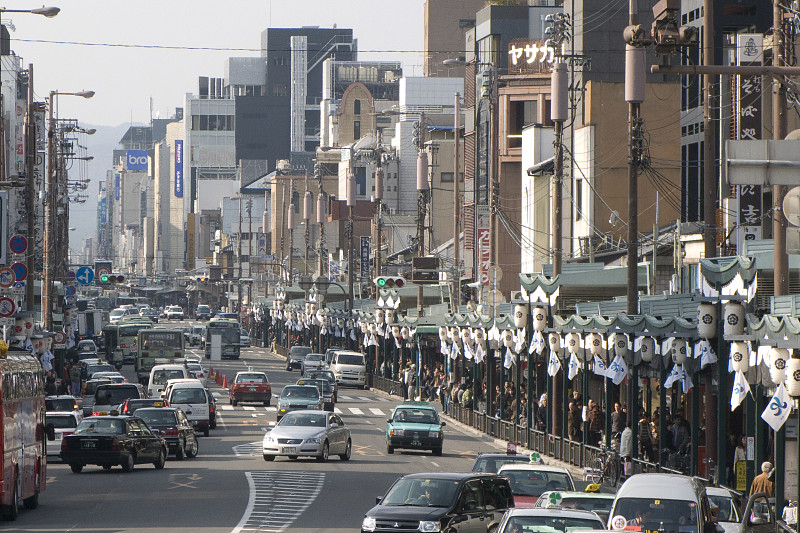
(445, 24)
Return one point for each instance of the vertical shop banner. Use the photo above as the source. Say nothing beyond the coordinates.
(484, 244)
(179, 169)
(365, 257)
(117, 185)
(749, 52)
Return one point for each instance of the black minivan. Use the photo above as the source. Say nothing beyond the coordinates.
(437, 501)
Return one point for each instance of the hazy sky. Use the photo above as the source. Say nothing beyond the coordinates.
(125, 78)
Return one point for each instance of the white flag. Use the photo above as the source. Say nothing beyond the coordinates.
(600, 368)
(674, 375)
(467, 351)
(537, 343)
(353, 335)
(553, 365)
(372, 341)
(510, 358)
(444, 348)
(479, 354)
(778, 409)
(519, 340)
(740, 390)
(574, 365)
(617, 370)
(686, 380)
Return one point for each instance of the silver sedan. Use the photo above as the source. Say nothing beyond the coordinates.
(316, 434)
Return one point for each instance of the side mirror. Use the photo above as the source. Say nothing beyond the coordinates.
(50, 431)
(443, 424)
(378, 499)
(334, 425)
(388, 420)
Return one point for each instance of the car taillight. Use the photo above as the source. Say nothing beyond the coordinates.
(121, 345)
(96, 413)
(67, 433)
(74, 406)
(114, 444)
(211, 408)
(64, 445)
(171, 432)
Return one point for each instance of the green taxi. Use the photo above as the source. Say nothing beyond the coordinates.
(296, 397)
(415, 426)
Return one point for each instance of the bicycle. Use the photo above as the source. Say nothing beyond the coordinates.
(608, 466)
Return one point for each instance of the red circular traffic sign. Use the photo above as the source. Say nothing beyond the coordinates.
(18, 244)
(20, 271)
(7, 306)
(59, 337)
(6, 277)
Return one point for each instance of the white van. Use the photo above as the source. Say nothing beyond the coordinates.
(190, 395)
(161, 374)
(350, 368)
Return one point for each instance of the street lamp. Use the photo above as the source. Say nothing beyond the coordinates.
(50, 253)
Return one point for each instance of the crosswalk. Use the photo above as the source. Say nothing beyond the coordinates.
(261, 411)
(278, 498)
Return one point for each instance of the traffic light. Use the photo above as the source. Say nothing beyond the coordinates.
(202, 279)
(389, 282)
(112, 278)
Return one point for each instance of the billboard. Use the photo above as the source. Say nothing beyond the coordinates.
(749, 52)
(179, 169)
(136, 159)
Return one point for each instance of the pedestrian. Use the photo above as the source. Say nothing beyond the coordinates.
(75, 379)
(541, 413)
(50, 386)
(645, 437)
(411, 380)
(574, 423)
(762, 482)
(617, 422)
(595, 423)
(626, 442)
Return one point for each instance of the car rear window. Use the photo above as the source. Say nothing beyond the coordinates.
(101, 426)
(188, 395)
(60, 404)
(157, 417)
(62, 421)
(105, 395)
(160, 377)
(351, 359)
(251, 378)
(493, 464)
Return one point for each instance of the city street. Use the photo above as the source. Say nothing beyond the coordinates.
(229, 487)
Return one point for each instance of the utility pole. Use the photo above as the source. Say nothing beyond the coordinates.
(290, 227)
(559, 114)
(494, 177)
(307, 205)
(30, 191)
(250, 251)
(422, 199)
(239, 255)
(49, 241)
(710, 182)
(321, 219)
(780, 257)
(379, 222)
(455, 296)
(351, 205)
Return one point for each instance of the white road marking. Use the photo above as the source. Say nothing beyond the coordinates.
(343, 397)
(434, 463)
(250, 449)
(255, 415)
(356, 410)
(375, 411)
(248, 408)
(226, 407)
(278, 498)
(337, 411)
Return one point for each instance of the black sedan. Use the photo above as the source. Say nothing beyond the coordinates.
(113, 440)
(174, 427)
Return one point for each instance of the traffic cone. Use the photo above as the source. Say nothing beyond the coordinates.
(225, 382)
(211, 371)
(219, 379)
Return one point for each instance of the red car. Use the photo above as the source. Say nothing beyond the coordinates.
(251, 387)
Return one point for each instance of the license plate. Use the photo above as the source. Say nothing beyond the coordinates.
(289, 450)
(416, 443)
(89, 444)
(252, 389)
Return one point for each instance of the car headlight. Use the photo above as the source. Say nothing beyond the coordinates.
(368, 524)
(269, 439)
(313, 440)
(435, 434)
(427, 525)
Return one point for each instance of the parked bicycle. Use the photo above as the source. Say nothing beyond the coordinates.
(608, 467)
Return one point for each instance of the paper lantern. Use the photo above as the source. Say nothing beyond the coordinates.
(364, 327)
(396, 332)
(554, 342)
(678, 351)
(19, 327)
(452, 334)
(793, 377)
(480, 337)
(350, 323)
(740, 357)
(707, 321)
(380, 315)
(340, 322)
(573, 343)
(372, 329)
(38, 346)
(466, 336)
(620, 344)
(734, 319)
(508, 338)
(442, 333)
(777, 368)
(405, 332)
(390, 316)
(595, 343)
(539, 318)
(648, 349)
(520, 316)
(308, 308)
(314, 309)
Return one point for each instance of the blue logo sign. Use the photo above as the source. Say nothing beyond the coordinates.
(778, 406)
(179, 169)
(116, 186)
(84, 275)
(136, 159)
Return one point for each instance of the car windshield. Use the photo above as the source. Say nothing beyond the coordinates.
(535, 482)
(116, 312)
(108, 395)
(62, 421)
(300, 392)
(91, 369)
(314, 357)
(133, 404)
(416, 416)
(314, 420)
(583, 503)
(91, 386)
(251, 378)
(728, 511)
(194, 367)
(421, 491)
(351, 359)
(101, 426)
(157, 417)
(160, 377)
(60, 404)
(667, 516)
(84, 346)
(551, 524)
(299, 352)
(492, 464)
(188, 395)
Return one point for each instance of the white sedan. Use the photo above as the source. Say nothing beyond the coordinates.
(64, 423)
(316, 434)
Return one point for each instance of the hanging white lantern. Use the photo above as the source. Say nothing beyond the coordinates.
(275, 305)
(364, 327)
(678, 351)
(452, 334)
(734, 319)
(442, 333)
(340, 322)
(793, 377)
(313, 309)
(554, 342)
(620, 344)
(595, 343)
(48, 343)
(380, 316)
(648, 349)
(480, 338)
(740, 358)
(508, 338)
(707, 321)
(520, 316)
(19, 327)
(372, 329)
(396, 332)
(308, 308)
(777, 368)
(574, 343)
(350, 324)
(405, 332)
(466, 336)
(539, 318)
(390, 316)
(38, 345)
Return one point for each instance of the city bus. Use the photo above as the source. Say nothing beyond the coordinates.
(228, 330)
(127, 333)
(24, 453)
(163, 346)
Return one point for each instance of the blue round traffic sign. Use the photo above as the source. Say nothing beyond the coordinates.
(84, 275)
(18, 244)
(20, 271)
(69, 291)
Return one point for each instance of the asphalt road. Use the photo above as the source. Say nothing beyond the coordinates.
(230, 488)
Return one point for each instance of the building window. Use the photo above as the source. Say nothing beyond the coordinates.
(278, 89)
(356, 130)
(447, 177)
(356, 107)
(578, 199)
